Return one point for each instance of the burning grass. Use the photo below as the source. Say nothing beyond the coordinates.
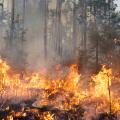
(60, 91)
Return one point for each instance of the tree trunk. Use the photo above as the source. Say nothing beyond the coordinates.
(45, 29)
(85, 26)
(58, 27)
(12, 22)
(97, 40)
(84, 36)
(74, 30)
(2, 7)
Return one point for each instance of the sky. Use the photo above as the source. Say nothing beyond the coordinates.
(118, 4)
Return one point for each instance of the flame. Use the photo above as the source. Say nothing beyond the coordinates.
(102, 90)
(10, 117)
(72, 79)
(64, 86)
(102, 82)
(48, 116)
(116, 105)
(61, 89)
(64, 90)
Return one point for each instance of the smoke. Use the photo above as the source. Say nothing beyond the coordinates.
(33, 45)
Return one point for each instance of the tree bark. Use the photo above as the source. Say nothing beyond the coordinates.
(12, 22)
(45, 29)
(74, 30)
(58, 27)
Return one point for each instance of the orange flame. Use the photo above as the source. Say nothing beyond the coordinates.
(102, 82)
(62, 91)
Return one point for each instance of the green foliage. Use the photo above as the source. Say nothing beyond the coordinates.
(103, 27)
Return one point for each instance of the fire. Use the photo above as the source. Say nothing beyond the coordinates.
(73, 78)
(63, 92)
(10, 117)
(60, 89)
(48, 116)
(116, 105)
(4, 67)
(103, 90)
(64, 87)
(102, 82)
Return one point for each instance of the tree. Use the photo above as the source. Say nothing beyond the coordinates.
(2, 6)
(58, 27)
(100, 26)
(45, 28)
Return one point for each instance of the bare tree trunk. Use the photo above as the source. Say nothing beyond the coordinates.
(23, 61)
(85, 28)
(74, 30)
(12, 22)
(84, 33)
(97, 55)
(2, 6)
(23, 23)
(58, 27)
(45, 29)
(97, 40)
(24, 7)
